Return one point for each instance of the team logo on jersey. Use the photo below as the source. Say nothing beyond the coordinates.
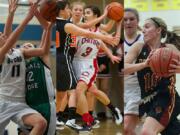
(14, 60)
(91, 41)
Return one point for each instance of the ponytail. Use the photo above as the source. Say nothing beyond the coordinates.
(173, 38)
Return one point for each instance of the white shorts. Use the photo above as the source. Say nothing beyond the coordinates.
(132, 98)
(85, 70)
(13, 111)
(52, 123)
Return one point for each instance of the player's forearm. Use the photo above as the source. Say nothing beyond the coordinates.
(131, 68)
(91, 23)
(8, 24)
(107, 27)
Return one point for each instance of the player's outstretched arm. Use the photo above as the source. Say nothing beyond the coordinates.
(75, 30)
(15, 35)
(11, 11)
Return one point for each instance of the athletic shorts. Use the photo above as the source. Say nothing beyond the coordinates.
(65, 76)
(13, 111)
(132, 98)
(48, 111)
(165, 109)
(85, 70)
(103, 60)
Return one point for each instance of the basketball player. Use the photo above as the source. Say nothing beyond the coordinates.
(160, 100)
(39, 83)
(12, 76)
(77, 9)
(132, 93)
(66, 43)
(86, 69)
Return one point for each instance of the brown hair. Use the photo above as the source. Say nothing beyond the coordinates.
(171, 37)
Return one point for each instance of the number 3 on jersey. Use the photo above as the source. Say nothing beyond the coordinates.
(88, 51)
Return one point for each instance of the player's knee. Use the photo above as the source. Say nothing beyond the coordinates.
(79, 92)
(40, 124)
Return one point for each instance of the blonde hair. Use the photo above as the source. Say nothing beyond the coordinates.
(77, 3)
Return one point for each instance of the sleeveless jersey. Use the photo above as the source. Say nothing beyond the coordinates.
(129, 79)
(39, 83)
(147, 80)
(12, 76)
(87, 48)
(65, 43)
(40, 92)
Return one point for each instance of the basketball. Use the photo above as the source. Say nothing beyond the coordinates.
(161, 59)
(115, 11)
(48, 10)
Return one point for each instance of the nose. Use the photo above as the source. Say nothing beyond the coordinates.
(128, 21)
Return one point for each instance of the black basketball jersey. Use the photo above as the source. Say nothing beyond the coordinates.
(65, 43)
(147, 80)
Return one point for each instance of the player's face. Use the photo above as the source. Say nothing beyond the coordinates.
(88, 15)
(150, 31)
(77, 11)
(67, 12)
(3, 39)
(28, 46)
(130, 23)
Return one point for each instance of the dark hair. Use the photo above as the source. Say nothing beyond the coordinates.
(96, 11)
(61, 4)
(171, 37)
(134, 11)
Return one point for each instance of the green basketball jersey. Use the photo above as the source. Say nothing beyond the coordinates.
(36, 87)
(39, 87)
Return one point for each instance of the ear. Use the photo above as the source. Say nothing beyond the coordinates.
(159, 29)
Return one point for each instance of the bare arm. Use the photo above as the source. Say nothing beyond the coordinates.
(9, 22)
(131, 56)
(75, 30)
(41, 20)
(15, 35)
(109, 53)
(107, 27)
(44, 50)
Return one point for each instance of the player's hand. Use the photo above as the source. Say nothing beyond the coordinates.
(102, 67)
(106, 11)
(34, 1)
(149, 58)
(115, 59)
(113, 41)
(13, 4)
(175, 67)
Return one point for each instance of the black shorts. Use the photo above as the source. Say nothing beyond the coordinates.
(165, 109)
(121, 65)
(105, 61)
(65, 76)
